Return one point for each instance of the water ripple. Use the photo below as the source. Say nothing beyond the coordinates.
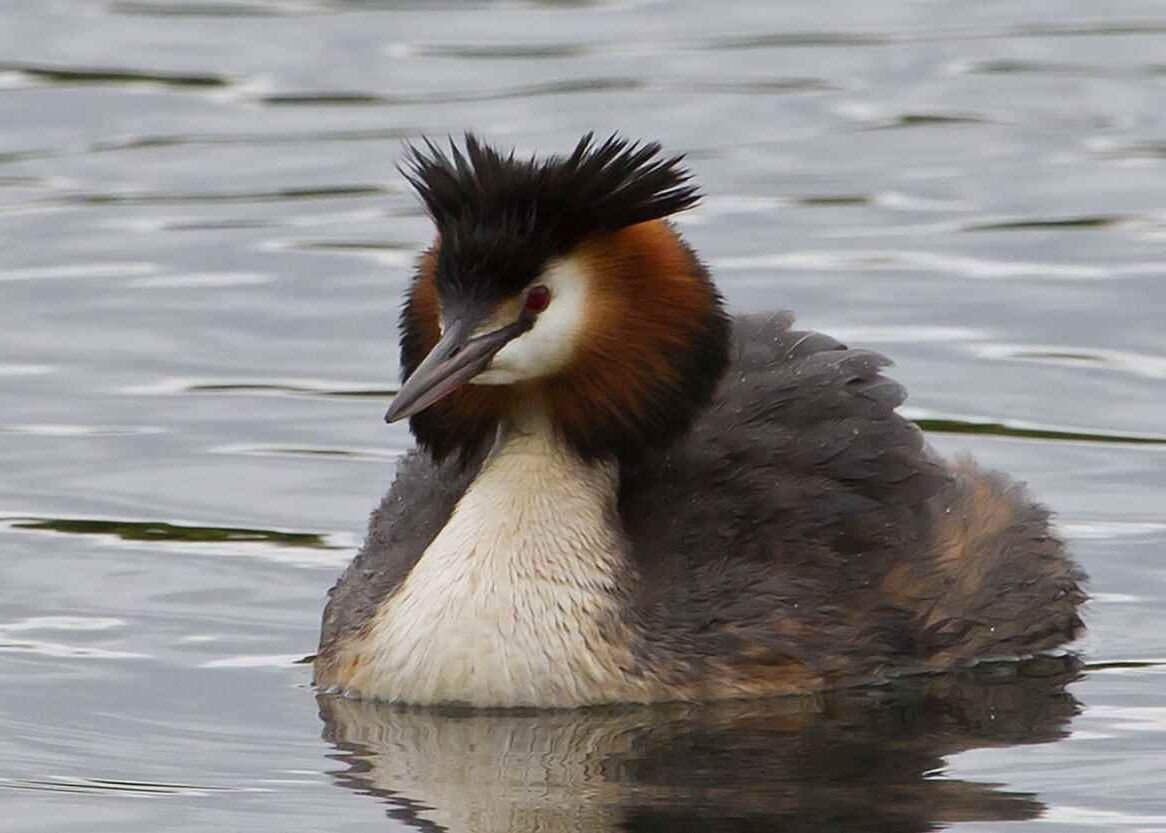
(386, 254)
(349, 99)
(271, 450)
(833, 200)
(1125, 361)
(337, 99)
(904, 120)
(1125, 27)
(60, 430)
(1093, 221)
(300, 550)
(1007, 66)
(14, 641)
(892, 260)
(19, 369)
(202, 280)
(79, 270)
(799, 40)
(265, 387)
(770, 86)
(1126, 666)
(502, 51)
(1109, 530)
(85, 75)
(1097, 818)
(63, 623)
(109, 786)
(164, 531)
(162, 140)
(1136, 151)
(274, 195)
(270, 661)
(936, 422)
(214, 8)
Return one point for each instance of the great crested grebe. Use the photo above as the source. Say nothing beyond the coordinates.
(624, 495)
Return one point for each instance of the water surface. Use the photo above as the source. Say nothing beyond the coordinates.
(202, 246)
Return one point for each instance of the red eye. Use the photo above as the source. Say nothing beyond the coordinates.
(538, 299)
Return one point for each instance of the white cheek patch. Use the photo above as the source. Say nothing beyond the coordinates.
(546, 347)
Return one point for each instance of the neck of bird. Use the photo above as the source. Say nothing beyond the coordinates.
(519, 600)
(553, 513)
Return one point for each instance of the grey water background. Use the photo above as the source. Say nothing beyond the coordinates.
(203, 242)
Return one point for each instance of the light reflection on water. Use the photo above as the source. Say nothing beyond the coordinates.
(204, 243)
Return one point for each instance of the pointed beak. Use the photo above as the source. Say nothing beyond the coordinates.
(456, 359)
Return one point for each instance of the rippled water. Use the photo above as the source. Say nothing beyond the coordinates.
(202, 246)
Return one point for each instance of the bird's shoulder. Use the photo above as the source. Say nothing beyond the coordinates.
(801, 450)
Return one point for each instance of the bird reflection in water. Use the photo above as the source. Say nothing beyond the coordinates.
(857, 760)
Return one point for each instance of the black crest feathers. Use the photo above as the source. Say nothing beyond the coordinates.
(599, 187)
(500, 218)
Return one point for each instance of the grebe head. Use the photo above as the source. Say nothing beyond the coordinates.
(557, 284)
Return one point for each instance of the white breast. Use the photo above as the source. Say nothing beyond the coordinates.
(516, 602)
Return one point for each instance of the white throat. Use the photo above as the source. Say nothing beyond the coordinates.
(517, 601)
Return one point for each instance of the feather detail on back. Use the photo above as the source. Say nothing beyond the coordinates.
(802, 525)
